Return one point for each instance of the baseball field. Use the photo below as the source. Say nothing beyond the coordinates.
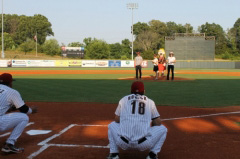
(200, 108)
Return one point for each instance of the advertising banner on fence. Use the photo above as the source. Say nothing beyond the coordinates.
(88, 63)
(114, 63)
(75, 63)
(145, 63)
(5, 63)
(61, 63)
(127, 63)
(101, 63)
(40, 63)
(19, 63)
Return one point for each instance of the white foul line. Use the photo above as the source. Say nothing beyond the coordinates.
(56, 135)
(73, 145)
(202, 116)
(8, 133)
(45, 145)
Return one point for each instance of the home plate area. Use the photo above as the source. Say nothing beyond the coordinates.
(73, 140)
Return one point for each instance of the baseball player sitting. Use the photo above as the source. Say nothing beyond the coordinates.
(11, 100)
(132, 126)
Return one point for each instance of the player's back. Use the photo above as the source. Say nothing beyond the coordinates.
(7, 96)
(135, 116)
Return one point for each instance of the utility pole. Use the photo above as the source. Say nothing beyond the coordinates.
(132, 6)
(3, 56)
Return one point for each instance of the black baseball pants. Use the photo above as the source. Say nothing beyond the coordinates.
(138, 69)
(170, 67)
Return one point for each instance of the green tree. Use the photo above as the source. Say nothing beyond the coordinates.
(51, 47)
(139, 28)
(24, 27)
(115, 51)
(188, 28)
(220, 36)
(98, 49)
(146, 40)
(126, 48)
(160, 28)
(148, 54)
(27, 46)
(39, 24)
(75, 44)
(234, 36)
(8, 42)
(87, 41)
(172, 28)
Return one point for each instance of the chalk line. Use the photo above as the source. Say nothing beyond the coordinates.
(56, 135)
(74, 145)
(38, 152)
(202, 116)
(45, 145)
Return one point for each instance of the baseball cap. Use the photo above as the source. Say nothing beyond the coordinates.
(6, 78)
(137, 87)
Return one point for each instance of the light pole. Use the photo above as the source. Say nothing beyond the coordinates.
(3, 56)
(132, 6)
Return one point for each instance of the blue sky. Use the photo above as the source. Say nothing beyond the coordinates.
(110, 20)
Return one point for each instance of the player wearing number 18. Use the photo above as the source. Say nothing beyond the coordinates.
(131, 128)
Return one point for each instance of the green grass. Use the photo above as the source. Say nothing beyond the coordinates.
(198, 93)
(205, 91)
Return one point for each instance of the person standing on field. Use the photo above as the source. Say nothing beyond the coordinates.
(11, 100)
(137, 125)
(138, 65)
(155, 66)
(171, 60)
(161, 64)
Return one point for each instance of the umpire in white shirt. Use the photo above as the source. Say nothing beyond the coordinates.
(138, 62)
(171, 60)
(11, 100)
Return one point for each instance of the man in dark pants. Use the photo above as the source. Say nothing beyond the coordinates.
(171, 60)
(138, 62)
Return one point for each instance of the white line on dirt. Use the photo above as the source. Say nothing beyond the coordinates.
(8, 133)
(45, 145)
(202, 116)
(38, 152)
(56, 135)
(73, 145)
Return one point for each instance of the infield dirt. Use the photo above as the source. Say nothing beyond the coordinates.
(211, 137)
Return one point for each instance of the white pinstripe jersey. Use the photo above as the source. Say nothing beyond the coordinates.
(136, 113)
(9, 97)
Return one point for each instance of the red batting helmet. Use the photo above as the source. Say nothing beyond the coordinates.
(137, 87)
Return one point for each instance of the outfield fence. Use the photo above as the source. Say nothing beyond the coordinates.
(204, 64)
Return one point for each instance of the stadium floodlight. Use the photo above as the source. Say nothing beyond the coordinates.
(3, 56)
(132, 6)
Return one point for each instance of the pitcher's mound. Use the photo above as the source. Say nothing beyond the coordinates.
(160, 79)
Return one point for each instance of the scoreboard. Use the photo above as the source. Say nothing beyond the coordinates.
(74, 52)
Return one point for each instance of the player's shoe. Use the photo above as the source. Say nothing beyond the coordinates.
(9, 148)
(148, 157)
(113, 156)
(152, 156)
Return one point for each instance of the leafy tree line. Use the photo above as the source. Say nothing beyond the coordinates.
(149, 37)
(20, 30)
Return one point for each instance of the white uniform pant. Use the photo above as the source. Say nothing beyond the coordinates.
(16, 121)
(153, 143)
